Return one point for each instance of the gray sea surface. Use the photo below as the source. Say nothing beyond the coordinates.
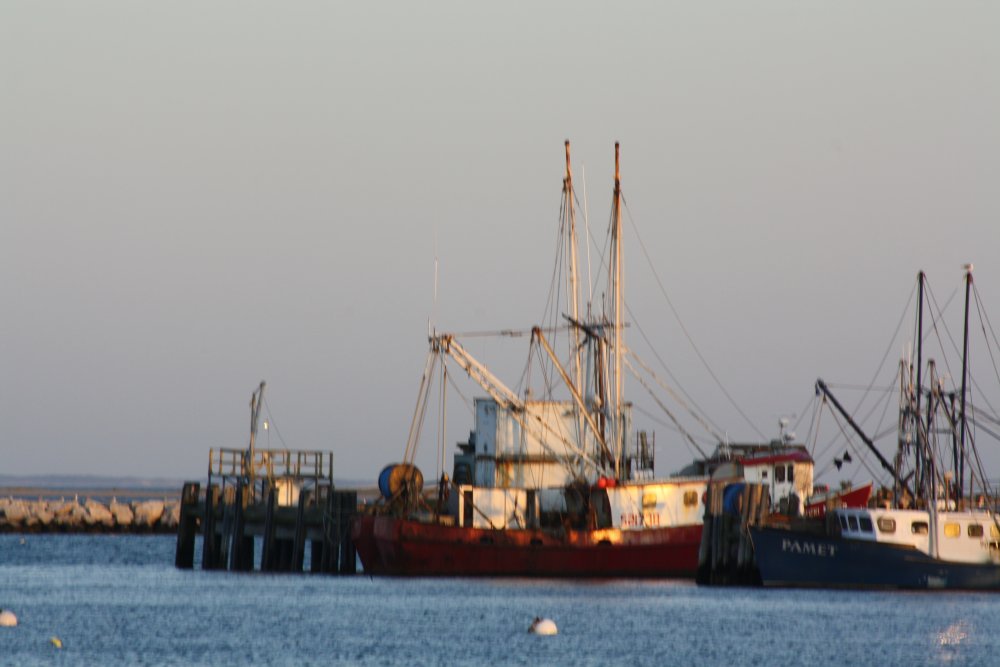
(118, 600)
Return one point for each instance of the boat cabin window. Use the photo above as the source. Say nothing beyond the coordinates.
(690, 498)
(994, 532)
(852, 521)
(779, 474)
(886, 525)
(462, 473)
(791, 472)
(763, 474)
(975, 530)
(918, 527)
(843, 522)
(952, 529)
(649, 499)
(866, 524)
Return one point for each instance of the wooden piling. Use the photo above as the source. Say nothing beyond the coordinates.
(316, 559)
(299, 541)
(348, 554)
(241, 544)
(267, 559)
(331, 532)
(246, 503)
(726, 555)
(228, 509)
(187, 527)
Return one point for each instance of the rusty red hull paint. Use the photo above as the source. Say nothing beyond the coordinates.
(404, 547)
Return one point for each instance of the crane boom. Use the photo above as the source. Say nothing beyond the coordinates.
(537, 333)
(506, 398)
(821, 387)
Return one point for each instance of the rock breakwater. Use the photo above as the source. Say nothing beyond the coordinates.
(88, 516)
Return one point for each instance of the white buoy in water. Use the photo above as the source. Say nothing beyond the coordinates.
(7, 619)
(543, 626)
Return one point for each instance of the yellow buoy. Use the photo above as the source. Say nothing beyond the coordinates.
(56, 642)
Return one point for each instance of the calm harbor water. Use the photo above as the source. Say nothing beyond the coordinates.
(117, 600)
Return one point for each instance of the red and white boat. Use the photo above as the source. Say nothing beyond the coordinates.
(553, 487)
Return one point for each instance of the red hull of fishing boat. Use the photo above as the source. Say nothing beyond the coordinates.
(393, 546)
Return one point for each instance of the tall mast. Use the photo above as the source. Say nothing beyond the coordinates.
(618, 334)
(920, 338)
(965, 374)
(915, 395)
(569, 224)
(574, 290)
(928, 429)
(256, 399)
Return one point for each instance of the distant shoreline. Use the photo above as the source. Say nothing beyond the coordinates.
(368, 493)
(97, 493)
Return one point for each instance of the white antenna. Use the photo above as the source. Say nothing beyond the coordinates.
(431, 323)
(586, 237)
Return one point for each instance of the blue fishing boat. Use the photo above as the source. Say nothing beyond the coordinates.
(936, 528)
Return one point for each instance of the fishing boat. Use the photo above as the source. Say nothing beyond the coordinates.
(938, 525)
(551, 486)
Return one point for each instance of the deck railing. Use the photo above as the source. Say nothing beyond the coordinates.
(270, 467)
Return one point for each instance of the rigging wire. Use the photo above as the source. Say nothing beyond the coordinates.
(813, 434)
(653, 417)
(270, 424)
(687, 334)
(888, 349)
(552, 299)
(841, 385)
(957, 351)
(673, 427)
(802, 413)
(822, 452)
(714, 433)
(983, 321)
(944, 325)
(976, 422)
(664, 408)
(885, 410)
(586, 223)
(700, 415)
(508, 333)
(857, 451)
(465, 399)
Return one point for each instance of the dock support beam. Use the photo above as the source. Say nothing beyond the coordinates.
(211, 543)
(299, 542)
(267, 548)
(241, 545)
(348, 554)
(726, 555)
(231, 515)
(187, 528)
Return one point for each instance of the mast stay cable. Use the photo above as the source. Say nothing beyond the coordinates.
(684, 329)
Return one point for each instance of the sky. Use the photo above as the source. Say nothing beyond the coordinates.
(196, 196)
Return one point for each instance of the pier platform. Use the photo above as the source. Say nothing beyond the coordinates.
(284, 500)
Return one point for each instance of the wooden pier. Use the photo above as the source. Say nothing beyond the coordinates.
(726, 556)
(285, 499)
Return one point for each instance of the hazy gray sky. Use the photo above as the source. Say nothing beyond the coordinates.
(196, 196)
